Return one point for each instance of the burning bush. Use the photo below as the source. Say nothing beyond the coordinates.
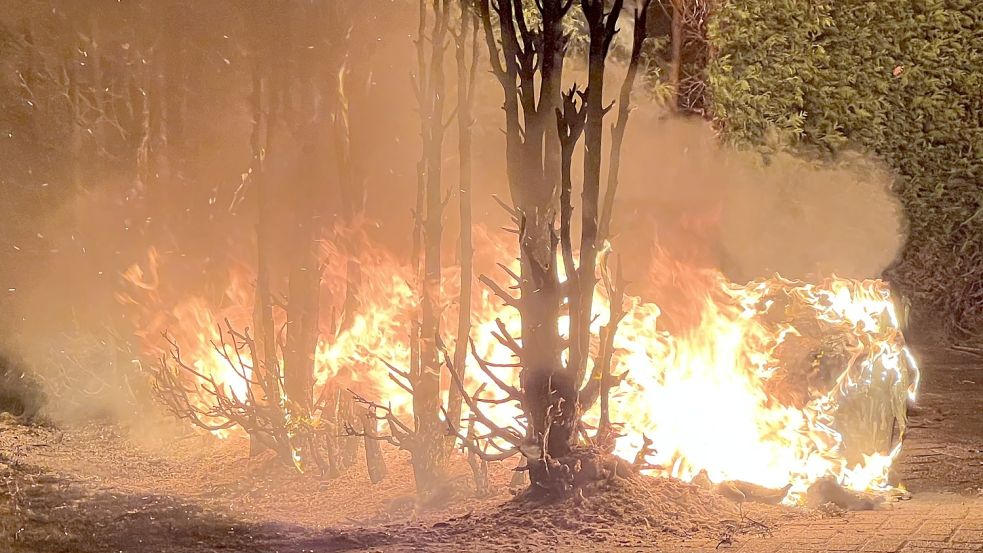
(803, 380)
(319, 340)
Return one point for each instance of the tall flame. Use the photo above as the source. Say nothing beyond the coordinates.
(775, 382)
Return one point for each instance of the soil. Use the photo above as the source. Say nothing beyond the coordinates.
(104, 487)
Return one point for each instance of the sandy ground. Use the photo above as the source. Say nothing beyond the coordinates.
(91, 489)
(100, 488)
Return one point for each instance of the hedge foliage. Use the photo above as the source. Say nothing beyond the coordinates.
(902, 79)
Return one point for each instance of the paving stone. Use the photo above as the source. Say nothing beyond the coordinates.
(849, 535)
(813, 534)
(863, 526)
(913, 528)
(935, 528)
(929, 544)
(950, 513)
(883, 544)
(764, 546)
(902, 522)
(963, 535)
(898, 531)
(871, 517)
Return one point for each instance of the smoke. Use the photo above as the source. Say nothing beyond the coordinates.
(63, 354)
(683, 189)
(63, 250)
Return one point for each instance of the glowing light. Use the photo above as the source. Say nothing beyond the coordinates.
(719, 393)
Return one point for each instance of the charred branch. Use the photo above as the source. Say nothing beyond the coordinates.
(602, 365)
(180, 387)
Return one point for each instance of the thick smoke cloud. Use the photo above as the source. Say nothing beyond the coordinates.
(753, 217)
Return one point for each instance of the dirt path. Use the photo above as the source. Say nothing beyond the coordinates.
(91, 489)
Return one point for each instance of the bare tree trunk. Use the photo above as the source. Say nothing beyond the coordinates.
(303, 314)
(266, 365)
(301, 331)
(428, 453)
(581, 300)
(77, 161)
(374, 460)
(465, 94)
(303, 298)
(143, 162)
(570, 127)
(421, 84)
(676, 45)
(602, 376)
(605, 436)
(348, 446)
(296, 96)
(532, 163)
(350, 184)
(540, 285)
(539, 170)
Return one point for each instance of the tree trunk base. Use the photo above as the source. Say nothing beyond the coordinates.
(583, 467)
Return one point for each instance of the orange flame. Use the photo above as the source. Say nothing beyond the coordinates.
(760, 382)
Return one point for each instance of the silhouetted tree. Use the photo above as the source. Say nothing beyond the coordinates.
(542, 130)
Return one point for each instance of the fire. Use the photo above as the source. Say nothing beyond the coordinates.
(724, 395)
(774, 382)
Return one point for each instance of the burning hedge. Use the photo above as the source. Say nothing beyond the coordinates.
(775, 382)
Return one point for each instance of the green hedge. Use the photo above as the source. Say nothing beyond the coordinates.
(901, 78)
